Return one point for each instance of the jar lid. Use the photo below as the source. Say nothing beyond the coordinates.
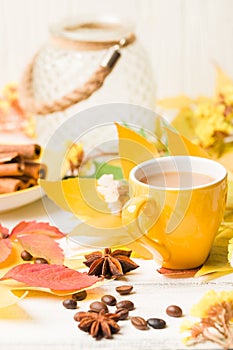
(103, 31)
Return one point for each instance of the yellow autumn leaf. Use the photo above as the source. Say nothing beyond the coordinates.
(13, 259)
(217, 261)
(230, 252)
(139, 250)
(179, 145)
(185, 123)
(77, 195)
(9, 297)
(229, 203)
(203, 99)
(177, 102)
(133, 149)
(107, 231)
(97, 233)
(226, 159)
(20, 288)
(222, 80)
(74, 263)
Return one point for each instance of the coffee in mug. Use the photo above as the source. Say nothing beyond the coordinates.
(176, 207)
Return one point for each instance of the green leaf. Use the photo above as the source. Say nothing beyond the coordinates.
(105, 168)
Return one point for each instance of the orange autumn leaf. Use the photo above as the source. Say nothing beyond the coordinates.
(133, 149)
(42, 246)
(51, 276)
(8, 250)
(179, 145)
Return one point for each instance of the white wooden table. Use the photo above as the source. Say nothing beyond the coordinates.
(41, 322)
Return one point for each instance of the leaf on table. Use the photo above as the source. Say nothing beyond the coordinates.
(228, 216)
(107, 231)
(177, 273)
(222, 80)
(229, 203)
(180, 145)
(218, 258)
(51, 276)
(5, 249)
(178, 102)
(230, 252)
(185, 123)
(13, 259)
(25, 227)
(139, 250)
(106, 168)
(203, 99)
(42, 246)
(226, 159)
(75, 261)
(133, 148)
(9, 297)
(77, 195)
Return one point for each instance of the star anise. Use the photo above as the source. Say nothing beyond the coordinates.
(110, 264)
(98, 324)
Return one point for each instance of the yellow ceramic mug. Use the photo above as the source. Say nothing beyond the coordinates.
(176, 207)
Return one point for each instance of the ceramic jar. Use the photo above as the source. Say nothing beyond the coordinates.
(72, 55)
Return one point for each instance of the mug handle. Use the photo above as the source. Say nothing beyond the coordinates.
(130, 214)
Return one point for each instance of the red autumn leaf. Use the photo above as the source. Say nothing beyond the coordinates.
(42, 246)
(54, 277)
(35, 227)
(5, 249)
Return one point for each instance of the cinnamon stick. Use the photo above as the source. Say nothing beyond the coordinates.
(27, 181)
(10, 157)
(8, 185)
(28, 151)
(11, 169)
(35, 170)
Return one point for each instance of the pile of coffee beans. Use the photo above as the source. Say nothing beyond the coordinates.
(26, 256)
(122, 308)
(71, 303)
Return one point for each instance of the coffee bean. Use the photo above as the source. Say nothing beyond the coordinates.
(40, 261)
(126, 304)
(139, 322)
(123, 313)
(123, 290)
(25, 255)
(174, 311)
(97, 306)
(109, 300)
(156, 323)
(79, 295)
(70, 304)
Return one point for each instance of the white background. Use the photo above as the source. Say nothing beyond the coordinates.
(183, 38)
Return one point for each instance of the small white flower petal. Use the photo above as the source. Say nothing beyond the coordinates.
(105, 180)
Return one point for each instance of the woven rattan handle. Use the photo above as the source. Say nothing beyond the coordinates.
(95, 81)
